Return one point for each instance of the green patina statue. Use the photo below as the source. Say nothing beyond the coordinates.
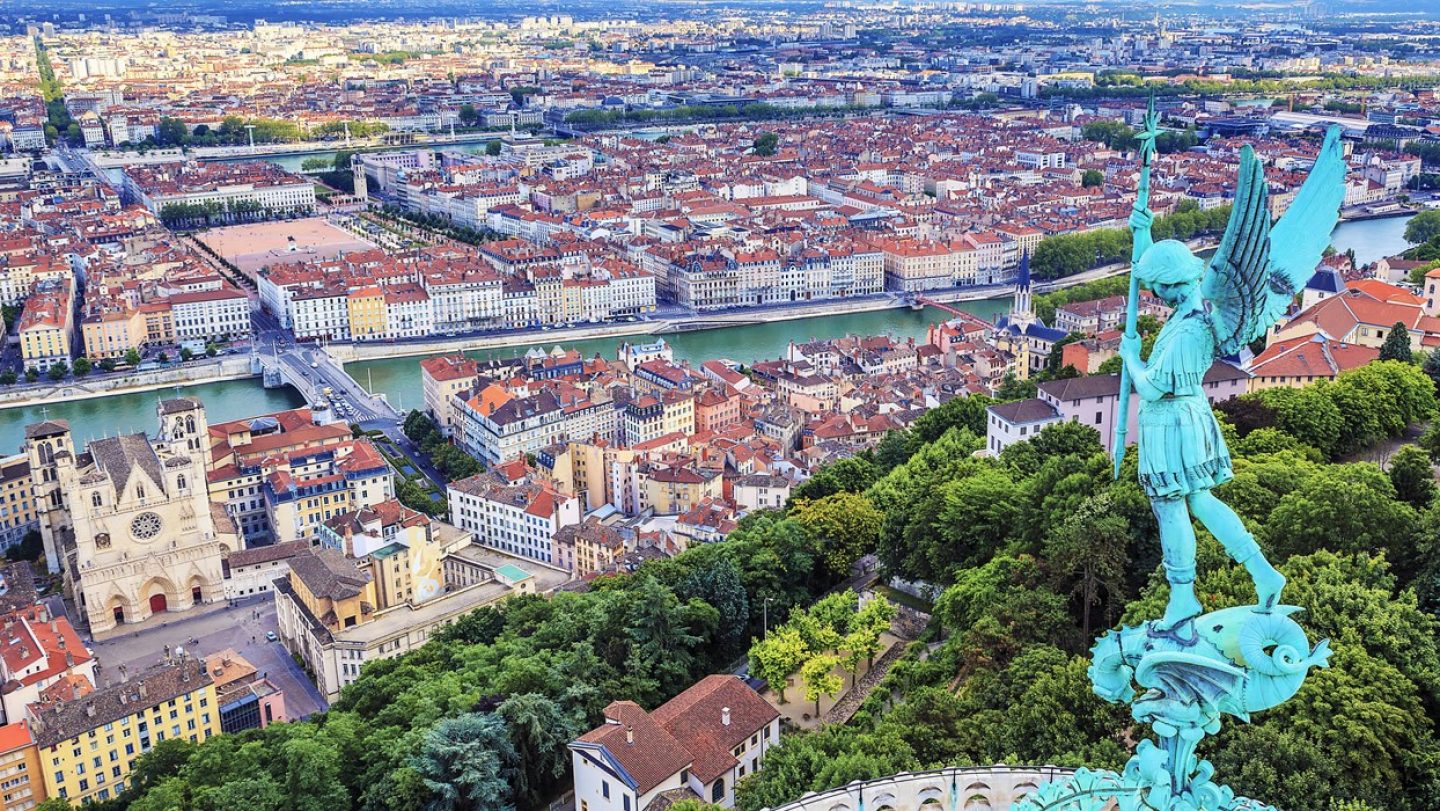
(1194, 667)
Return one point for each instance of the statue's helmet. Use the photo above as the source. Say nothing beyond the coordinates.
(1169, 262)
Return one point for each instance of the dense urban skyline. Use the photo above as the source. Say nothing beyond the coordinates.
(697, 406)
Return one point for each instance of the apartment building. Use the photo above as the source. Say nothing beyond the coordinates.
(88, 744)
(47, 324)
(512, 510)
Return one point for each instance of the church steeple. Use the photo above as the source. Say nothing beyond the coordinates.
(1022, 312)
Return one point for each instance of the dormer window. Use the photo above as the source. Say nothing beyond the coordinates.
(96, 500)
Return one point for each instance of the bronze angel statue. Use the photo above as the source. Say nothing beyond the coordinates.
(1219, 308)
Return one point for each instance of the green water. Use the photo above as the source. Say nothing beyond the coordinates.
(126, 413)
(399, 378)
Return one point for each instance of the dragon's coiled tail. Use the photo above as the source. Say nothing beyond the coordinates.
(1111, 677)
(1273, 648)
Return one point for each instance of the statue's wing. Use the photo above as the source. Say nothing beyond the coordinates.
(1254, 276)
(1299, 239)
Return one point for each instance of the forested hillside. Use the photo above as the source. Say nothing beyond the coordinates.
(1032, 554)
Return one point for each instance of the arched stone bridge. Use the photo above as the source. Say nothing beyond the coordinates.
(992, 788)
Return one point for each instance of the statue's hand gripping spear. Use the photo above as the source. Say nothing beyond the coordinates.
(1141, 236)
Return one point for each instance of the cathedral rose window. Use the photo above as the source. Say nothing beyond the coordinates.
(145, 526)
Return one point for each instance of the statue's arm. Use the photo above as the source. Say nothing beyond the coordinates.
(1139, 370)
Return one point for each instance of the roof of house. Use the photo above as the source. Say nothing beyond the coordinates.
(696, 729)
(1311, 356)
(1025, 411)
(328, 573)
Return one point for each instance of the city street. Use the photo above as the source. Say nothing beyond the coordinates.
(240, 627)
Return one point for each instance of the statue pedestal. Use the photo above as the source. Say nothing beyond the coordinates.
(1235, 661)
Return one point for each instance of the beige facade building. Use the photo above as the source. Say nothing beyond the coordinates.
(129, 519)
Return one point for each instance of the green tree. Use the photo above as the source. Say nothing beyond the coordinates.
(185, 353)
(1013, 388)
(819, 678)
(82, 366)
(132, 357)
(8, 377)
(1093, 178)
(765, 144)
(1087, 554)
(1397, 344)
(540, 733)
(777, 656)
(58, 370)
(1431, 367)
(1344, 508)
(1413, 476)
(852, 475)
(847, 526)
(869, 624)
(1423, 227)
(468, 762)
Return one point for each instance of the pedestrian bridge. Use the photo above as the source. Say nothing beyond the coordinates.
(992, 788)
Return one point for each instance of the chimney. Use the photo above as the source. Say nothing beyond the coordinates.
(725, 716)
(90, 710)
(629, 734)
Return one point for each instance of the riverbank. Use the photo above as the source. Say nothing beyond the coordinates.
(193, 374)
(667, 326)
(110, 159)
(1363, 213)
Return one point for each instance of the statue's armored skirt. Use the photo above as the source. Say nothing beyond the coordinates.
(1181, 450)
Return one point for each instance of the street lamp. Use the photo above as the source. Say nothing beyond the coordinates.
(765, 614)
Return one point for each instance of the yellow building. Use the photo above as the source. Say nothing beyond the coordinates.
(674, 489)
(88, 744)
(159, 322)
(332, 589)
(367, 314)
(111, 334)
(21, 786)
(306, 488)
(47, 325)
(17, 501)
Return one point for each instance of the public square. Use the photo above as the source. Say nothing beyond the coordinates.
(214, 628)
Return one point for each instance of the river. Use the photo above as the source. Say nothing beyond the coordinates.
(399, 378)
(1372, 240)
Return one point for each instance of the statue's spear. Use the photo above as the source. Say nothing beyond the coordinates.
(1132, 302)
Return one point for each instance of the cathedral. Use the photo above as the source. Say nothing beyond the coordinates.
(129, 520)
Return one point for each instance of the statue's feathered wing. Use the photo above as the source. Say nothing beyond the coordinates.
(1258, 269)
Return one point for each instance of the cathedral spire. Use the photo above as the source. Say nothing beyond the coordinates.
(1022, 311)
